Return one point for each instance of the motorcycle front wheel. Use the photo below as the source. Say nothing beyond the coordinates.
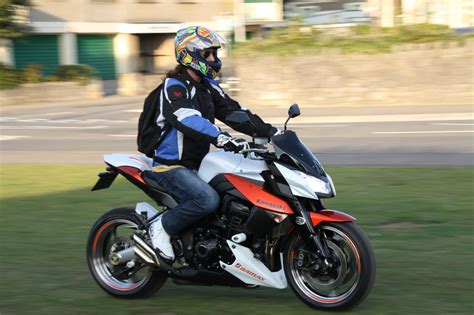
(131, 278)
(340, 287)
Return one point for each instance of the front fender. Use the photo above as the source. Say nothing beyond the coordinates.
(330, 216)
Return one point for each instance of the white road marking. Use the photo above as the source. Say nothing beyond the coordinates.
(451, 124)
(319, 126)
(5, 138)
(49, 114)
(317, 120)
(2, 119)
(33, 120)
(50, 127)
(104, 121)
(365, 118)
(421, 132)
(61, 121)
(313, 121)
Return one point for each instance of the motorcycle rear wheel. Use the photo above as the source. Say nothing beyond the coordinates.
(111, 233)
(348, 284)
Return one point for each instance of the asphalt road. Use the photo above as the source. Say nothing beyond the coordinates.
(395, 135)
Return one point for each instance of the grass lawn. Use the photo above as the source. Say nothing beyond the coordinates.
(420, 222)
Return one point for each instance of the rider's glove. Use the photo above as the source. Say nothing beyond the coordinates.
(231, 143)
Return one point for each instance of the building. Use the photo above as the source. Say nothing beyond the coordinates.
(114, 36)
(255, 14)
(324, 12)
(454, 13)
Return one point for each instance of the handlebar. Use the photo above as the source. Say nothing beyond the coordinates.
(256, 150)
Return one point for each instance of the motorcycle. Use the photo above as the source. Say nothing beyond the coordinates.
(271, 229)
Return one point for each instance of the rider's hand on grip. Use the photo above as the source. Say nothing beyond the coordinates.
(229, 143)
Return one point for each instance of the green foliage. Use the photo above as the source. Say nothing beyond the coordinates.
(10, 77)
(32, 73)
(367, 39)
(11, 24)
(77, 73)
(362, 29)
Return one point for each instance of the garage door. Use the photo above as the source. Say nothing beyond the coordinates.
(38, 49)
(98, 52)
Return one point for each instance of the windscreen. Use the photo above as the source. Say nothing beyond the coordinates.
(289, 143)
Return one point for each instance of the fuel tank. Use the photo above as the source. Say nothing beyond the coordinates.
(221, 162)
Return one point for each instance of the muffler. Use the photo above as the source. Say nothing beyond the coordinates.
(122, 256)
(145, 252)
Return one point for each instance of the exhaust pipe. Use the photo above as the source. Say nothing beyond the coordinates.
(145, 252)
(122, 256)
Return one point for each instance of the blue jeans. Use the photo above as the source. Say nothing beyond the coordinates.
(196, 199)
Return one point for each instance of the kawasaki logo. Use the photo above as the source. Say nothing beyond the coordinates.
(250, 273)
(269, 204)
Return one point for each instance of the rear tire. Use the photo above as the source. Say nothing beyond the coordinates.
(351, 281)
(117, 280)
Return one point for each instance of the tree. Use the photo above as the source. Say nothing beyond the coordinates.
(13, 18)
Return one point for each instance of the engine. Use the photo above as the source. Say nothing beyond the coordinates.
(209, 248)
(236, 216)
(208, 244)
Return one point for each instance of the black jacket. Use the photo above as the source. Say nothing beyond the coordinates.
(187, 113)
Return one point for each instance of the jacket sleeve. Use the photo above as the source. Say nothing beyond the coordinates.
(224, 105)
(179, 112)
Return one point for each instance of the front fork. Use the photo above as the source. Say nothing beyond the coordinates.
(311, 235)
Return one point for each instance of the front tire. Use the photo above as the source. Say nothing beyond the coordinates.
(338, 288)
(111, 233)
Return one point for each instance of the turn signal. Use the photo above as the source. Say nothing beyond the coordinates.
(277, 217)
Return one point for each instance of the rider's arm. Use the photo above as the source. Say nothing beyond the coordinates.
(224, 105)
(179, 111)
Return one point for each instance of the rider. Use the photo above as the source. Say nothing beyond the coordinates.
(189, 103)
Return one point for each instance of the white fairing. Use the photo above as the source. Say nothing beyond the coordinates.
(135, 160)
(298, 186)
(145, 208)
(251, 270)
(221, 162)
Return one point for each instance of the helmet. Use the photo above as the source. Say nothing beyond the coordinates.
(190, 41)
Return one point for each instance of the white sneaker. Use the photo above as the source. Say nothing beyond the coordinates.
(161, 240)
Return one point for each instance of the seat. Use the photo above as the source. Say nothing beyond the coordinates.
(149, 178)
(157, 192)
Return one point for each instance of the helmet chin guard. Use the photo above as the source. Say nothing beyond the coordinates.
(190, 41)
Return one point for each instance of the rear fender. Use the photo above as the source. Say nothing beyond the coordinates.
(105, 179)
(131, 173)
(330, 216)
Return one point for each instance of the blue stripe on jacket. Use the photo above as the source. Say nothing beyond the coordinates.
(173, 81)
(201, 125)
(168, 149)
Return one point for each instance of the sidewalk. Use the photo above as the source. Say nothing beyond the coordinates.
(103, 101)
(138, 100)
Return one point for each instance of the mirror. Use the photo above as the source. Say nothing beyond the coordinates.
(294, 111)
(238, 117)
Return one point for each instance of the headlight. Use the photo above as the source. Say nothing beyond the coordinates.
(317, 185)
(331, 183)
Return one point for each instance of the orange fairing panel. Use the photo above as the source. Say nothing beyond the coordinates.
(330, 216)
(132, 171)
(259, 197)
